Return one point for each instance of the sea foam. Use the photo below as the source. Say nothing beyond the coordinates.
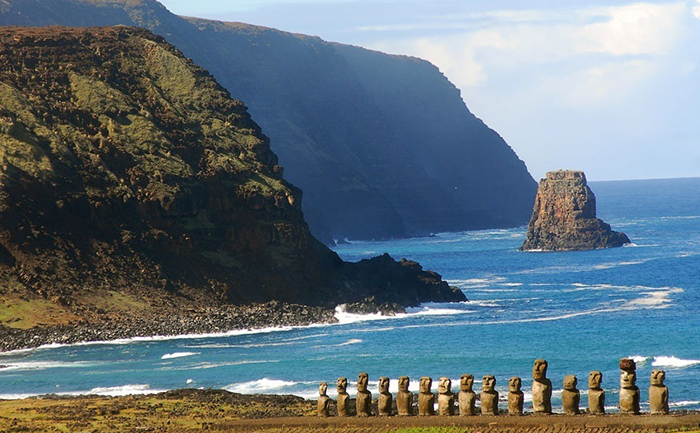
(178, 355)
(673, 362)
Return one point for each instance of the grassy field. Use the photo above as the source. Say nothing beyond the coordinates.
(185, 411)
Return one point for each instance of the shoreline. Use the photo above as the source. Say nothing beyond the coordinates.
(210, 321)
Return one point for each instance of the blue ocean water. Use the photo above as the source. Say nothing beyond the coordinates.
(581, 311)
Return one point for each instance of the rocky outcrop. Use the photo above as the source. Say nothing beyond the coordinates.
(131, 182)
(382, 146)
(564, 217)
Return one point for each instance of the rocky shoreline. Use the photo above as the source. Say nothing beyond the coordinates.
(208, 320)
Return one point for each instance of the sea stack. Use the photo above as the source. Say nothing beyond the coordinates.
(564, 217)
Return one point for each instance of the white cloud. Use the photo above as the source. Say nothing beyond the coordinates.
(637, 29)
(696, 9)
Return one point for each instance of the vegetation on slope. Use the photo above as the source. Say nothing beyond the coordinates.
(132, 182)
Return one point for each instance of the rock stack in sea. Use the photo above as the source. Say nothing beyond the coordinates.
(564, 217)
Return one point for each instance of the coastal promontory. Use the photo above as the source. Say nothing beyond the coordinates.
(134, 188)
(383, 146)
(564, 217)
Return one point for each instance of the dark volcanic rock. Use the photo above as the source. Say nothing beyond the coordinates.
(382, 146)
(564, 217)
(132, 184)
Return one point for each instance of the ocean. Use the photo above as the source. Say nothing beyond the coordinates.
(580, 311)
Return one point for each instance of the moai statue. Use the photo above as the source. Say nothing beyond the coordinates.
(541, 388)
(363, 400)
(489, 396)
(467, 396)
(515, 396)
(629, 393)
(404, 398)
(658, 393)
(571, 397)
(446, 400)
(384, 405)
(596, 395)
(426, 399)
(343, 409)
(323, 400)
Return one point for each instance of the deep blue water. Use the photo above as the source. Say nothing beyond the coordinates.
(581, 311)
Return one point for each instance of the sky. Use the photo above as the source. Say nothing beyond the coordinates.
(608, 87)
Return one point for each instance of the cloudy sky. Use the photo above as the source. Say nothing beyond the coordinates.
(609, 87)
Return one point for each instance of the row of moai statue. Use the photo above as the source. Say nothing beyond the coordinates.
(541, 395)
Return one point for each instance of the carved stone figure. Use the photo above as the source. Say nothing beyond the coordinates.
(363, 401)
(384, 405)
(658, 393)
(343, 409)
(629, 393)
(489, 396)
(426, 399)
(541, 388)
(467, 396)
(596, 395)
(571, 396)
(516, 398)
(446, 399)
(323, 400)
(404, 398)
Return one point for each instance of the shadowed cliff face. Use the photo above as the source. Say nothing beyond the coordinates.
(564, 217)
(127, 169)
(382, 146)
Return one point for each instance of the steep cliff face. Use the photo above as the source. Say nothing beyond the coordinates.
(127, 171)
(382, 146)
(564, 217)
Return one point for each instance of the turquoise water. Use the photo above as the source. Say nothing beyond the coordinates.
(581, 311)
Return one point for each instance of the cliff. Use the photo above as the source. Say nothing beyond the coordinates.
(131, 181)
(564, 217)
(382, 146)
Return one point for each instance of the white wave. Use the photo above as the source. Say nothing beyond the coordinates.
(658, 298)
(684, 403)
(673, 362)
(639, 359)
(44, 365)
(433, 309)
(110, 391)
(429, 309)
(189, 381)
(259, 386)
(114, 391)
(349, 342)
(345, 318)
(208, 365)
(178, 355)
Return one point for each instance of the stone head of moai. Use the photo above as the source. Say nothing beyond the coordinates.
(514, 384)
(342, 385)
(628, 379)
(445, 385)
(403, 383)
(658, 377)
(425, 384)
(628, 376)
(570, 382)
(362, 380)
(595, 378)
(466, 382)
(488, 383)
(383, 384)
(322, 388)
(539, 370)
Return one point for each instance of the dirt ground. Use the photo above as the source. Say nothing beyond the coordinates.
(185, 411)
